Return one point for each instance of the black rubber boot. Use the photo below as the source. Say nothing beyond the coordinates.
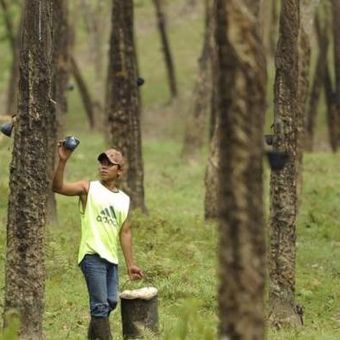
(90, 334)
(100, 329)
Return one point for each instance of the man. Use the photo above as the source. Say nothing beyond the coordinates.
(104, 219)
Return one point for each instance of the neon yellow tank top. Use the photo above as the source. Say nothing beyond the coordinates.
(104, 215)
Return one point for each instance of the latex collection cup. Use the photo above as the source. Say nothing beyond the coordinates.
(6, 129)
(71, 142)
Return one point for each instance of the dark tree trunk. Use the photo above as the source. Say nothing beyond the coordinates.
(94, 13)
(14, 39)
(213, 104)
(336, 44)
(283, 182)
(212, 120)
(211, 177)
(275, 26)
(60, 77)
(211, 174)
(318, 80)
(304, 59)
(166, 47)
(241, 98)
(195, 133)
(61, 56)
(25, 272)
(12, 104)
(123, 106)
(332, 118)
(84, 92)
(97, 24)
(9, 25)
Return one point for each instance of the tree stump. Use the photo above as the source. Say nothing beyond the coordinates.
(139, 310)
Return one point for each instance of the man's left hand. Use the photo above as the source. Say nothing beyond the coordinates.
(135, 273)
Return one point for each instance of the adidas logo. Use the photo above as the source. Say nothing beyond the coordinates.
(108, 215)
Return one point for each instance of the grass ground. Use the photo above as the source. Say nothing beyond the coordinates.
(177, 248)
(173, 244)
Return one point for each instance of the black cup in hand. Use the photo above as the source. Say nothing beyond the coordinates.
(71, 142)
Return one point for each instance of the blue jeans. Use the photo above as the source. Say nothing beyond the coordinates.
(102, 283)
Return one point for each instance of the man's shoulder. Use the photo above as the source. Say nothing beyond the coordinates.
(124, 195)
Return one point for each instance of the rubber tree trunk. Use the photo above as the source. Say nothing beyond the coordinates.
(332, 117)
(60, 73)
(211, 174)
(93, 13)
(14, 39)
(9, 25)
(195, 133)
(318, 79)
(275, 25)
(123, 107)
(336, 44)
(25, 272)
(308, 15)
(84, 92)
(241, 98)
(61, 55)
(213, 104)
(97, 24)
(170, 67)
(211, 178)
(283, 200)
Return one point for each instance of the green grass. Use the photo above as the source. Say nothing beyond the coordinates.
(173, 244)
(318, 251)
(177, 249)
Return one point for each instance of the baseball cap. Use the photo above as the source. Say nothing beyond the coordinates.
(113, 155)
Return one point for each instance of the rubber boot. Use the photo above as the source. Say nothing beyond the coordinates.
(100, 329)
(90, 334)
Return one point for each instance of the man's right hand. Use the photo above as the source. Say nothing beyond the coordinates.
(63, 153)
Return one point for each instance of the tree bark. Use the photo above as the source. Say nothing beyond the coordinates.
(25, 272)
(332, 117)
(94, 12)
(61, 56)
(211, 177)
(9, 25)
(161, 20)
(284, 200)
(60, 73)
(84, 92)
(14, 39)
(211, 174)
(308, 10)
(274, 25)
(241, 101)
(97, 26)
(318, 80)
(213, 66)
(123, 107)
(195, 132)
(336, 44)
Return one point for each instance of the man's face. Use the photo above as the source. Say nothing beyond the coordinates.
(108, 170)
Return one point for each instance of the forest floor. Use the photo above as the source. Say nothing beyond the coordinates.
(177, 249)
